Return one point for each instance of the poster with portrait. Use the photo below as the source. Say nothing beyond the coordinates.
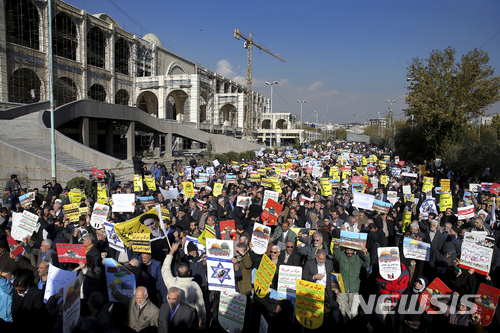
(228, 226)
(220, 268)
(148, 222)
(389, 263)
(260, 238)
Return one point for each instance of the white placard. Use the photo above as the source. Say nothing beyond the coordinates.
(407, 189)
(465, 212)
(114, 240)
(215, 163)
(268, 194)
(24, 225)
(363, 200)
(172, 193)
(123, 203)
(220, 268)
(232, 310)
(287, 280)
(260, 238)
(56, 279)
(99, 215)
(71, 304)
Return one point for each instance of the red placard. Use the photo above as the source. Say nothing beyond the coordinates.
(12, 244)
(73, 253)
(436, 289)
(232, 229)
(487, 301)
(98, 173)
(495, 188)
(271, 212)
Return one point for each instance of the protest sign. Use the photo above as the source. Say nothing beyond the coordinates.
(98, 173)
(56, 279)
(209, 232)
(102, 196)
(71, 303)
(215, 163)
(392, 197)
(126, 229)
(232, 307)
(220, 268)
(326, 187)
(474, 187)
(264, 276)
(485, 187)
(445, 201)
(26, 198)
(389, 263)
(465, 212)
(362, 200)
(428, 183)
(268, 194)
(287, 280)
(495, 188)
(188, 189)
(337, 283)
(263, 326)
(383, 180)
(406, 219)
(75, 196)
(150, 182)
(317, 171)
(123, 279)
(243, 201)
(138, 186)
(271, 212)
(260, 238)
(72, 212)
(309, 304)
(73, 253)
(12, 245)
(124, 203)
(415, 249)
(486, 302)
(141, 243)
(435, 290)
(445, 185)
(218, 189)
(228, 226)
(113, 239)
(200, 247)
(170, 194)
(477, 252)
(24, 225)
(429, 206)
(406, 189)
(99, 215)
(381, 206)
(353, 240)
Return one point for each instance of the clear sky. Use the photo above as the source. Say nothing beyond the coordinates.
(344, 56)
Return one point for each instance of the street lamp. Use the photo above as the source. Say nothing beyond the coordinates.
(271, 111)
(301, 103)
(391, 114)
(317, 113)
(378, 123)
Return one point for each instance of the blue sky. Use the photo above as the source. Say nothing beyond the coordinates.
(347, 57)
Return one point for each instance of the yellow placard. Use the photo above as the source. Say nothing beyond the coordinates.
(428, 183)
(326, 187)
(75, 196)
(138, 183)
(364, 162)
(421, 169)
(188, 189)
(165, 214)
(288, 165)
(261, 172)
(276, 184)
(445, 201)
(141, 242)
(383, 180)
(127, 229)
(72, 211)
(381, 164)
(266, 182)
(150, 182)
(406, 220)
(309, 303)
(445, 185)
(264, 276)
(102, 196)
(83, 211)
(218, 189)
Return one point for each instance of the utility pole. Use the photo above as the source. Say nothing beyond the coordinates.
(317, 125)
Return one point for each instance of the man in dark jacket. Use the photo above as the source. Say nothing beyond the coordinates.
(175, 315)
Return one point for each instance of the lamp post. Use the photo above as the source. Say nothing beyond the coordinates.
(391, 116)
(301, 103)
(271, 111)
(378, 131)
(317, 113)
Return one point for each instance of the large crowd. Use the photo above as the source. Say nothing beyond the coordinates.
(172, 292)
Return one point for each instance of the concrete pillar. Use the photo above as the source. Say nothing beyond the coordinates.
(156, 144)
(168, 145)
(131, 140)
(109, 138)
(85, 130)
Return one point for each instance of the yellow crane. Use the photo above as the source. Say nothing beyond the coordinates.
(247, 131)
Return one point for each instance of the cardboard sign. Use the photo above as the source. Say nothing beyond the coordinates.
(232, 307)
(73, 253)
(138, 187)
(389, 263)
(487, 301)
(477, 252)
(24, 225)
(150, 182)
(218, 189)
(363, 201)
(414, 249)
(271, 212)
(99, 215)
(287, 280)
(353, 240)
(260, 238)
(220, 268)
(436, 289)
(264, 276)
(188, 189)
(124, 203)
(141, 243)
(309, 304)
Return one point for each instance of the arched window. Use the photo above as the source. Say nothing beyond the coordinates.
(97, 93)
(65, 91)
(121, 97)
(24, 86)
(96, 47)
(22, 23)
(64, 39)
(122, 55)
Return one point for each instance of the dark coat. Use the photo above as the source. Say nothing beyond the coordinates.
(181, 322)
(311, 269)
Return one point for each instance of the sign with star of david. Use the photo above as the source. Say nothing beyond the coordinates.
(220, 267)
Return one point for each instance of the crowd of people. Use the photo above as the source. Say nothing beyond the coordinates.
(172, 291)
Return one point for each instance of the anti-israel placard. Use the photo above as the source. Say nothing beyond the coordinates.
(287, 280)
(309, 304)
(99, 215)
(364, 201)
(260, 238)
(264, 276)
(477, 252)
(232, 308)
(71, 304)
(414, 249)
(389, 263)
(220, 268)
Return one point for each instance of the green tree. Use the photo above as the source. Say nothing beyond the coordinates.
(495, 124)
(340, 134)
(446, 95)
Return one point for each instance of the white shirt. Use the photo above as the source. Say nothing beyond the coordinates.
(322, 270)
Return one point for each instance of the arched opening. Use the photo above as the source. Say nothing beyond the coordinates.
(24, 86)
(266, 124)
(281, 124)
(22, 23)
(97, 93)
(122, 55)
(144, 61)
(228, 115)
(148, 102)
(96, 47)
(203, 106)
(64, 36)
(65, 91)
(176, 104)
(122, 97)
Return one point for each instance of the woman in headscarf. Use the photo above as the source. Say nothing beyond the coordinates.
(413, 318)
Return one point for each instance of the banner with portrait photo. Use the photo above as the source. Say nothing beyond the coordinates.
(148, 222)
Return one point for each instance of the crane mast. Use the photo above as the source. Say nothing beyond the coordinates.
(247, 131)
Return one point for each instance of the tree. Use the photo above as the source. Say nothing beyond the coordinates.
(445, 96)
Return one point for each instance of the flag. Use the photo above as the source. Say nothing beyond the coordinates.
(209, 232)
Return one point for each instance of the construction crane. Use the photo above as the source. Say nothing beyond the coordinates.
(247, 131)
